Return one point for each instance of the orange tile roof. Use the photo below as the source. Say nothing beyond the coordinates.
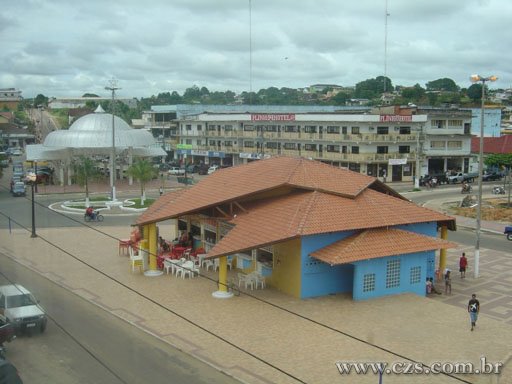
(233, 183)
(307, 213)
(376, 243)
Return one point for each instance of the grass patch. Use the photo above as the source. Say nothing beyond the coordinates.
(492, 209)
(138, 205)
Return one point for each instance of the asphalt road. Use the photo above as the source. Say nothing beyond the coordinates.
(85, 344)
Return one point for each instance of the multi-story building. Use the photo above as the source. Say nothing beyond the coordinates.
(393, 142)
(10, 98)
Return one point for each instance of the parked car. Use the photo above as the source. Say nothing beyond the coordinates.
(8, 373)
(493, 176)
(203, 169)
(18, 189)
(175, 171)
(212, 169)
(21, 308)
(192, 168)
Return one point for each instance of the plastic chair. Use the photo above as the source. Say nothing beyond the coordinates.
(136, 261)
(186, 269)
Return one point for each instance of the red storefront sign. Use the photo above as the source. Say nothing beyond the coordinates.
(395, 118)
(272, 117)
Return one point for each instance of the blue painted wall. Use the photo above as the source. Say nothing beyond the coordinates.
(492, 121)
(378, 267)
(319, 279)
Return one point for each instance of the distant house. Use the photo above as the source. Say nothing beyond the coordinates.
(13, 136)
(309, 228)
(10, 98)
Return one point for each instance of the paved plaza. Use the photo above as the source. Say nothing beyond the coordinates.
(264, 336)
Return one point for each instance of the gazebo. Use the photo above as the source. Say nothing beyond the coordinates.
(91, 135)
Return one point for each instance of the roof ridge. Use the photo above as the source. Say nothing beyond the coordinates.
(311, 200)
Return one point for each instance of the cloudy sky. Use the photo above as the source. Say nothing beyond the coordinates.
(65, 48)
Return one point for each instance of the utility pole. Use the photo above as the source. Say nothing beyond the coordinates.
(113, 87)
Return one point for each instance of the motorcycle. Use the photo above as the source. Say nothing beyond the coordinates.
(96, 217)
(498, 190)
(466, 189)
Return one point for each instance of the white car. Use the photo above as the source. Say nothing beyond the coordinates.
(212, 169)
(176, 171)
(21, 309)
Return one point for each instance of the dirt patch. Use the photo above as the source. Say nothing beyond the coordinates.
(492, 209)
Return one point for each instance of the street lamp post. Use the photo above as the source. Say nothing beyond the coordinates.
(113, 87)
(483, 80)
(32, 179)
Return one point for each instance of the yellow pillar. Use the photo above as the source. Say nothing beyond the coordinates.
(153, 247)
(442, 254)
(223, 274)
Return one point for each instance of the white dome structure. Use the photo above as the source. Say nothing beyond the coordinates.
(92, 134)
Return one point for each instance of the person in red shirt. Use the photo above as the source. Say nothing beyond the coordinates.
(463, 263)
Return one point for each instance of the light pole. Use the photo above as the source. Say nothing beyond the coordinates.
(32, 179)
(113, 87)
(483, 80)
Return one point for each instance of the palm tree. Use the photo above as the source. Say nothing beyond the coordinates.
(85, 171)
(143, 171)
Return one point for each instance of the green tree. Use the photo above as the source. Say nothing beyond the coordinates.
(373, 88)
(143, 171)
(474, 92)
(89, 95)
(85, 171)
(41, 100)
(415, 93)
(443, 84)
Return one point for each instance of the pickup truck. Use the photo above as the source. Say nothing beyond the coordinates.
(461, 177)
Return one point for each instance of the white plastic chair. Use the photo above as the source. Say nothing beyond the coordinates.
(248, 280)
(230, 262)
(186, 269)
(136, 261)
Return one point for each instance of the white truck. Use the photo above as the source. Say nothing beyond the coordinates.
(461, 177)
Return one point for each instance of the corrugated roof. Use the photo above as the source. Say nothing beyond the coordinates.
(376, 243)
(502, 144)
(241, 181)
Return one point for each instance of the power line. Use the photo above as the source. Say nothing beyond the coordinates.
(262, 360)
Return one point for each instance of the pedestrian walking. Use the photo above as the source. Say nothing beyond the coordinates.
(447, 283)
(473, 309)
(463, 263)
(161, 190)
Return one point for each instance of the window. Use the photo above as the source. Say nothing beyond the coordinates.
(248, 128)
(393, 273)
(211, 142)
(355, 149)
(382, 130)
(369, 282)
(188, 141)
(355, 130)
(228, 128)
(344, 130)
(404, 149)
(291, 128)
(290, 146)
(333, 148)
(310, 147)
(382, 149)
(437, 144)
(199, 127)
(249, 144)
(271, 128)
(310, 129)
(455, 123)
(188, 127)
(271, 145)
(405, 130)
(438, 123)
(199, 142)
(212, 127)
(415, 276)
(228, 143)
(344, 149)
(333, 129)
(454, 144)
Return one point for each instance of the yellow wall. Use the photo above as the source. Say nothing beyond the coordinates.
(286, 270)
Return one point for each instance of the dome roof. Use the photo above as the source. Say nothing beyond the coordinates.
(95, 131)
